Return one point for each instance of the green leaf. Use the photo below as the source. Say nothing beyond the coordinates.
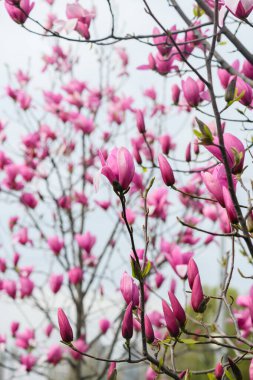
(188, 341)
(211, 376)
(198, 12)
(230, 92)
(197, 133)
(136, 273)
(146, 270)
(206, 137)
(187, 375)
(167, 341)
(229, 376)
(237, 156)
(235, 369)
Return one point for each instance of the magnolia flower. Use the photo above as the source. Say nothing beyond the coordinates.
(239, 8)
(118, 168)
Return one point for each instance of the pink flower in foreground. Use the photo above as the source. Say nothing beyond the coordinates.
(129, 290)
(215, 180)
(197, 296)
(81, 18)
(19, 11)
(118, 168)
(170, 319)
(178, 311)
(229, 205)
(245, 89)
(127, 323)
(149, 330)
(191, 91)
(166, 171)
(234, 149)
(66, 331)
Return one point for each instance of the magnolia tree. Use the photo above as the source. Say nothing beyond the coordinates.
(105, 219)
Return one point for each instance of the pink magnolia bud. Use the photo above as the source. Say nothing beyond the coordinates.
(247, 69)
(166, 144)
(188, 153)
(19, 11)
(166, 171)
(140, 121)
(119, 167)
(28, 200)
(2, 265)
(127, 323)
(55, 244)
(191, 92)
(229, 205)
(149, 330)
(196, 146)
(14, 328)
(55, 282)
(192, 272)
(239, 8)
(12, 222)
(104, 325)
(112, 372)
(75, 275)
(175, 93)
(218, 371)
(129, 290)
(66, 331)
(16, 258)
(178, 311)
(197, 296)
(170, 319)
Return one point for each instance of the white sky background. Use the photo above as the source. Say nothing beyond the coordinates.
(17, 47)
